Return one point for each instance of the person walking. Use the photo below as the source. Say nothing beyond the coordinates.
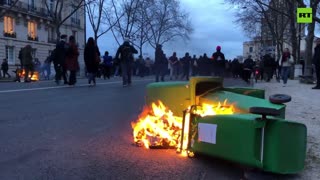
(316, 62)
(186, 60)
(46, 68)
(92, 60)
(219, 62)
(72, 63)
(248, 66)
(5, 68)
(27, 63)
(285, 62)
(59, 61)
(125, 56)
(174, 63)
(160, 63)
(107, 65)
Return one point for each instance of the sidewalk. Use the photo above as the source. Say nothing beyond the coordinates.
(304, 108)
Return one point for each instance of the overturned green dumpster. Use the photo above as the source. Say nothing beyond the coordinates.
(250, 129)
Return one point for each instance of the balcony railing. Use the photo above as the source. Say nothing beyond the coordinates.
(10, 34)
(32, 9)
(8, 3)
(30, 38)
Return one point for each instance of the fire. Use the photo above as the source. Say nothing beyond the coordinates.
(35, 76)
(158, 127)
(214, 109)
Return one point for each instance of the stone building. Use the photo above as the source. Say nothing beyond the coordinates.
(30, 22)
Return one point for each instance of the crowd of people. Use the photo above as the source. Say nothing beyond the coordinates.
(65, 61)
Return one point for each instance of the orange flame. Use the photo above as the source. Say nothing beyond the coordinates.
(35, 76)
(157, 126)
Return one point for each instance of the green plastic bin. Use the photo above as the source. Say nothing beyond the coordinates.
(274, 145)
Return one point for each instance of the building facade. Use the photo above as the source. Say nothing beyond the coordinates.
(30, 22)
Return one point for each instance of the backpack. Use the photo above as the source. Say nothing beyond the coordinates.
(126, 52)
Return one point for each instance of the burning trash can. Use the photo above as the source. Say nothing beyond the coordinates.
(234, 123)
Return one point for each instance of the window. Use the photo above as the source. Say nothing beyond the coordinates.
(10, 54)
(34, 53)
(51, 35)
(75, 16)
(8, 2)
(32, 31)
(74, 34)
(251, 49)
(31, 5)
(9, 26)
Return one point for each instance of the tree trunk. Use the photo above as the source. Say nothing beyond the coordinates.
(308, 50)
(140, 51)
(96, 38)
(293, 30)
(58, 33)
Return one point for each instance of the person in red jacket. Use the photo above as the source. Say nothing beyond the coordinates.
(72, 63)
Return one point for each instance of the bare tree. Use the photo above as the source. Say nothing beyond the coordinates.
(62, 10)
(142, 25)
(250, 20)
(310, 35)
(167, 22)
(267, 14)
(124, 18)
(97, 11)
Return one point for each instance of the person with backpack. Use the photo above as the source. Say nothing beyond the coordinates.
(125, 56)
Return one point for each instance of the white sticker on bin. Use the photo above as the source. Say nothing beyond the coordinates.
(207, 133)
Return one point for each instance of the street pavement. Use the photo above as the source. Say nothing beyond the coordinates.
(50, 132)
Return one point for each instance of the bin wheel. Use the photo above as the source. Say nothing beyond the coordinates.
(279, 98)
(264, 111)
(190, 154)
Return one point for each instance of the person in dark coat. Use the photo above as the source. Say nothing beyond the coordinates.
(248, 66)
(174, 63)
(72, 60)
(186, 60)
(160, 63)
(218, 62)
(92, 60)
(5, 68)
(26, 56)
(125, 56)
(59, 61)
(316, 62)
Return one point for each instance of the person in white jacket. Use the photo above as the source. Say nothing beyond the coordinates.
(286, 60)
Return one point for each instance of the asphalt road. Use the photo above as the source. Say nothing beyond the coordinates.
(50, 132)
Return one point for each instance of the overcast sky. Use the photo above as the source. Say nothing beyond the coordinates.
(213, 25)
